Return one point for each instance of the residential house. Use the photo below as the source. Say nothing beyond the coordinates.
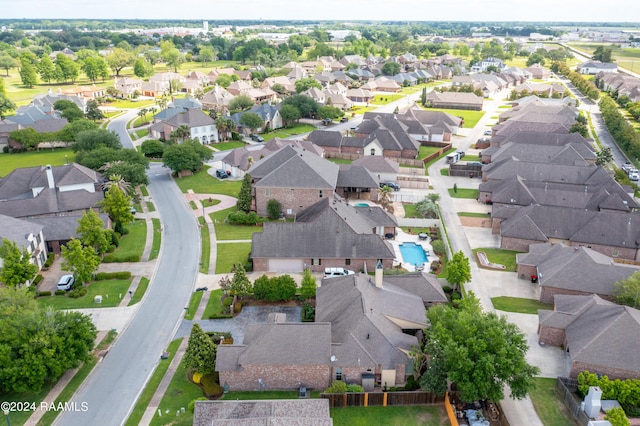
(384, 169)
(217, 99)
(454, 100)
(382, 84)
(297, 73)
(484, 64)
(66, 52)
(546, 89)
(379, 136)
(329, 233)
(269, 114)
(58, 230)
(128, 87)
(360, 74)
(429, 126)
(85, 92)
(560, 269)
(539, 72)
(554, 149)
(342, 77)
(360, 95)
(422, 284)
(26, 235)
(201, 126)
(195, 81)
(316, 94)
(45, 102)
(595, 67)
(288, 85)
(599, 336)
(162, 83)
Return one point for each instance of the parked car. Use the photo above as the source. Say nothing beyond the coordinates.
(391, 185)
(66, 282)
(344, 119)
(221, 174)
(488, 132)
(336, 272)
(327, 121)
(256, 138)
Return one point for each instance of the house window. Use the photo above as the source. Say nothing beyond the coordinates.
(320, 193)
(614, 252)
(373, 151)
(338, 373)
(316, 262)
(347, 262)
(267, 192)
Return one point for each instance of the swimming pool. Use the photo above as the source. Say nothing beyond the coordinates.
(361, 205)
(413, 253)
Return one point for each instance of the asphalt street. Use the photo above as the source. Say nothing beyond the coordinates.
(113, 387)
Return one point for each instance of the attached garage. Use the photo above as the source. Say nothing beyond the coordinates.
(286, 265)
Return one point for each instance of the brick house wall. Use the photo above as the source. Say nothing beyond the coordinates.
(547, 293)
(262, 264)
(551, 336)
(526, 271)
(517, 244)
(619, 252)
(369, 196)
(612, 373)
(295, 199)
(277, 377)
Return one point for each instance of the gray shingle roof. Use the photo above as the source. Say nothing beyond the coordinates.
(541, 172)
(350, 176)
(377, 164)
(17, 230)
(51, 201)
(422, 284)
(60, 228)
(325, 138)
(192, 118)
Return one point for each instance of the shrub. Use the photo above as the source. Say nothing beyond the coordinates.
(354, 388)
(273, 209)
(50, 258)
(220, 316)
(438, 247)
(122, 275)
(60, 292)
(192, 404)
(456, 295)
(308, 312)
(227, 302)
(447, 289)
(617, 417)
(43, 293)
(274, 289)
(435, 265)
(338, 386)
(237, 307)
(210, 385)
(37, 279)
(412, 384)
(78, 292)
(242, 218)
(112, 237)
(197, 376)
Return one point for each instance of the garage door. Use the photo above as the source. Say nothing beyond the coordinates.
(285, 265)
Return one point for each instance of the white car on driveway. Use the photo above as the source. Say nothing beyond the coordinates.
(65, 282)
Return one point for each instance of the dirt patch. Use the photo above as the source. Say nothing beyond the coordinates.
(477, 222)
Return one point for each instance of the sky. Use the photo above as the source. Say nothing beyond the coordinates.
(345, 10)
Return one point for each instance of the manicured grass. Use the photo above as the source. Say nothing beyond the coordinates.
(152, 385)
(10, 162)
(471, 118)
(205, 252)
(157, 239)
(132, 244)
(224, 146)
(519, 305)
(202, 183)
(386, 99)
(468, 157)
(20, 417)
(140, 290)
(464, 193)
(289, 131)
(548, 406)
(208, 202)
(193, 205)
(410, 210)
(142, 133)
(359, 110)
(196, 297)
(150, 206)
(473, 214)
(433, 415)
(124, 103)
(500, 256)
(110, 290)
(444, 171)
(430, 163)
(178, 395)
(138, 207)
(266, 394)
(425, 151)
(144, 191)
(214, 305)
(226, 231)
(234, 254)
(340, 160)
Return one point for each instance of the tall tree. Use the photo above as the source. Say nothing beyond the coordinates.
(17, 268)
(386, 198)
(119, 59)
(627, 291)
(6, 105)
(252, 121)
(46, 69)
(67, 68)
(93, 233)
(458, 270)
(81, 261)
(604, 156)
(187, 156)
(142, 68)
(307, 83)
(206, 54)
(478, 351)
(68, 110)
(89, 140)
(181, 133)
(200, 354)
(240, 284)
(117, 205)
(93, 111)
(244, 196)
(28, 73)
(289, 114)
(240, 103)
(308, 285)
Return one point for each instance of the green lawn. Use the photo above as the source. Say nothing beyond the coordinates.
(193, 205)
(519, 305)
(225, 231)
(471, 158)
(131, 245)
(464, 193)
(157, 239)
(214, 305)
(550, 408)
(208, 202)
(430, 163)
(20, 417)
(234, 254)
(196, 297)
(410, 210)
(152, 385)
(202, 183)
(425, 151)
(144, 191)
(178, 395)
(110, 290)
(10, 162)
(289, 131)
(205, 252)
(140, 290)
(224, 146)
(150, 206)
(340, 160)
(359, 110)
(473, 214)
(471, 118)
(127, 103)
(142, 133)
(500, 256)
(433, 415)
(386, 99)
(444, 171)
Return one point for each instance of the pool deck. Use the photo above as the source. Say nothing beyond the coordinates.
(403, 237)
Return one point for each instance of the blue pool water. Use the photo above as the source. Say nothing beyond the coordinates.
(362, 205)
(413, 253)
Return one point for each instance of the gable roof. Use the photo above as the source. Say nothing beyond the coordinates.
(422, 284)
(17, 230)
(350, 176)
(191, 117)
(377, 164)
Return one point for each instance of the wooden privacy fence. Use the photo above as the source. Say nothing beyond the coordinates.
(384, 399)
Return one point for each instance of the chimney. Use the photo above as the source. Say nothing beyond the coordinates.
(50, 181)
(379, 274)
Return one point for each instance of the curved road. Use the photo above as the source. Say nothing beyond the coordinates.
(119, 125)
(114, 385)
